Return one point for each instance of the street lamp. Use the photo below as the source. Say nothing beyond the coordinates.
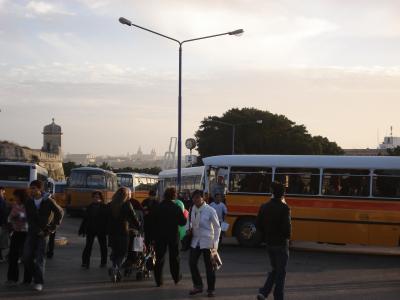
(235, 32)
(234, 128)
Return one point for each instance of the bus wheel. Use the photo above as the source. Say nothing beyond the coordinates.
(246, 233)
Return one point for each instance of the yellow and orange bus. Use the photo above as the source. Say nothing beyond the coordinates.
(83, 181)
(17, 175)
(333, 199)
(140, 184)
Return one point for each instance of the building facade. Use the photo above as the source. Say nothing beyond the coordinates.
(49, 157)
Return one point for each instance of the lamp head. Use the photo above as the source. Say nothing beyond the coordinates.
(237, 32)
(125, 21)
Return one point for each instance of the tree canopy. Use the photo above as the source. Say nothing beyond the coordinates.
(259, 132)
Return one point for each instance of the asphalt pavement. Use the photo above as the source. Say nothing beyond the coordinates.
(311, 275)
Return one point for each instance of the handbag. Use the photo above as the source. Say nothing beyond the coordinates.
(216, 260)
(187, 239)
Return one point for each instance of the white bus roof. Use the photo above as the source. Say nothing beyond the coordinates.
(92, 169)
(185, 172)
(24, 164)
(305, 161)
(138, 174)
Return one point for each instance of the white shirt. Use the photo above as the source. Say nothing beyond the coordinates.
(221, 210)
(207, 234)
(38, 202)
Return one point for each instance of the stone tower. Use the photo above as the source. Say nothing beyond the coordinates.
(52, 138)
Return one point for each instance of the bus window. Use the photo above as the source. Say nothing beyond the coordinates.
(250, 180)
(299, 181)
(41, 177)
(77, 179)
(14, 173)
(386, 183)
(59, 188)
(341, 182)
(114, 183)
(96, 181)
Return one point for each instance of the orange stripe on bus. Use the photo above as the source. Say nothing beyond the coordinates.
(335, 204)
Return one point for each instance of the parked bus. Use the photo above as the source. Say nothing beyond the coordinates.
(59, 193)
(140, 184)
(192, 179)
(83, 181)
(16, 175)
(333, 199)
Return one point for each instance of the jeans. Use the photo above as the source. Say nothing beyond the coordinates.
(102, 239)
(119, 249)
(194, 270)
(34, 258)
(17, 241)
(174, 260)
(50, 245)
(278, 256)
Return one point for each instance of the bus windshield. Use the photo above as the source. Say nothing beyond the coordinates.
(92, 179)
(125, 180)
(14, 173)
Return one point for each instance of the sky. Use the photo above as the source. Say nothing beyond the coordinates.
(331, 65)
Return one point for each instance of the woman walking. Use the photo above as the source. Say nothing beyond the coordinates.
(19, 225)
(94, 225)
(121, 216)
(206, 230)
(168, 217)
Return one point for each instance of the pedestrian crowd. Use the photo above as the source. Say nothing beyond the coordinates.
(139, 235)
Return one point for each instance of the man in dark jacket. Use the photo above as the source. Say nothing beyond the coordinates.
(3, 219)
(149, 205)
(93, 225)
(43, 216)
(168, 217)
(273, 221)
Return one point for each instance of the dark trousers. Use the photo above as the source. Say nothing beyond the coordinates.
(50, 245)
(161, 247)
(17, 241)
(119, 249)
(194, 269)
(34, 258)
(102, 239)
(278, 256)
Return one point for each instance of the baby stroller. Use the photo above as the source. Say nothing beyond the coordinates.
(140, 259)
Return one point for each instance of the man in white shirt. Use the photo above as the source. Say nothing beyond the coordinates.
(219, 207)
(206, 230)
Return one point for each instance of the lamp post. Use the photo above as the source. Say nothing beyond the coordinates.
(180, 43)
(234, 129)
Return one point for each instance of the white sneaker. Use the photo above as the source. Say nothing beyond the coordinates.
(38, 287)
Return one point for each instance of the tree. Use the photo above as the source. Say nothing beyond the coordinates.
(153, 170)
(276, 135)
(105, 166)
(394, 151)
(68, 166)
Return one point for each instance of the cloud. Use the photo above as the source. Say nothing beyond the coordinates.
(86, 73)
(41, 8)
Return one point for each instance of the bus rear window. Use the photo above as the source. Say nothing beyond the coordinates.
(14, 173)
(87, 180)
